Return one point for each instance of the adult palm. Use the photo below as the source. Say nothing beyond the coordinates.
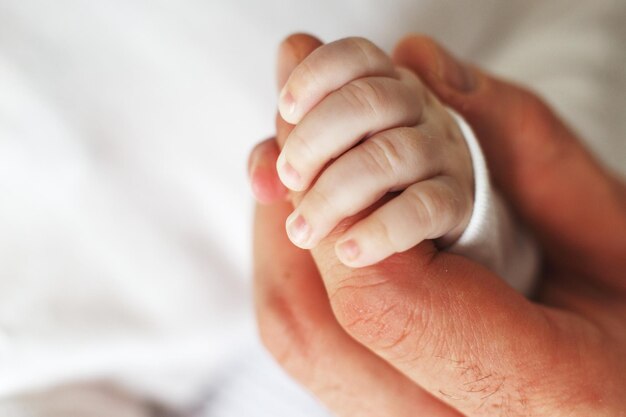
(430, 333)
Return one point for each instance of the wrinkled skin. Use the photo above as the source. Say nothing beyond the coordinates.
(433, 334)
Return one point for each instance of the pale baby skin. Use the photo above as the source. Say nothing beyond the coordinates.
(365, 128)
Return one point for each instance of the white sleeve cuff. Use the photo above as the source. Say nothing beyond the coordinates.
(492, 238)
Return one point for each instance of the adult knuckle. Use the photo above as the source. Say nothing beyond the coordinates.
(538, 122)
(374, 315)
(535, 105)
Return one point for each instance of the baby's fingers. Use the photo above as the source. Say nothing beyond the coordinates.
(327, 69)
(388, 161)
(357, 110)
(427, 210)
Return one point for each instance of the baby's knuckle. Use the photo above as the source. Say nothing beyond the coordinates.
(367, 50)
(364, 97)
(382, 156)
(446, 202)
(441, 209)
(464, 204)
(304, 80)
(453, 196)
(381, 230)
(319, 201)
(300, 152)
(420, 149)
(422, 209)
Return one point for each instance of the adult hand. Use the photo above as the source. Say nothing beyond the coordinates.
(430, 333)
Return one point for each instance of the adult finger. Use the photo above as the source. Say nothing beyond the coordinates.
(557, 187)
(264, 181)
(298, 326)
(444, 322)
(460, 332)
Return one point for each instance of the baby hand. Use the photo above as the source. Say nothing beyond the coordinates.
(365, 128)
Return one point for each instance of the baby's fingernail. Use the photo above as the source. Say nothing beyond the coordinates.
(298, 229)
(288, 175)
(348, 251)
(287, 106)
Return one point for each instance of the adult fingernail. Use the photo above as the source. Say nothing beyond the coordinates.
(455, 73)
(259, 191)
(288, 175)
(348, 251)
(298, 229)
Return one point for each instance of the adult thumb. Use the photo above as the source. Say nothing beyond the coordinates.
(535, 159)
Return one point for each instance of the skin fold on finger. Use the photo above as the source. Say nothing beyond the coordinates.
(384, 307)
(460, 332)
(264, 181)
(357, 110)
(347, 370)
(532, 154)
(319, 74)
(298, 327)
(388, 161)
(430, 209)
(375, 305)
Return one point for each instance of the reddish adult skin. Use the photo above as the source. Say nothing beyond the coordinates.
(434, 334)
